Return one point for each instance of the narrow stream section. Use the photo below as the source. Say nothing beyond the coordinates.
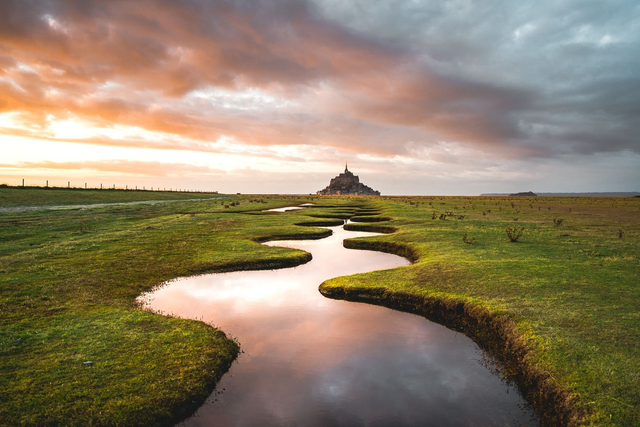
(312, 361)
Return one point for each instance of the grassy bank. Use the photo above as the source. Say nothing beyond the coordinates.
(563, 302)
(74, 348)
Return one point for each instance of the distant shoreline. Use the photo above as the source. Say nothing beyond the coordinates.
(594, 194)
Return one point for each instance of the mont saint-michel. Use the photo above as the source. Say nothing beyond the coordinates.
(347, 184)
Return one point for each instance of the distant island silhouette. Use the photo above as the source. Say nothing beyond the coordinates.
(594, 194)
(347, 184)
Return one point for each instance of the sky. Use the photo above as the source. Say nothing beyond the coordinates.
(438, 97)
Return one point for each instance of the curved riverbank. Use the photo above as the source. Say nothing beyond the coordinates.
(320, 343)
(74, 348)
(497, 335)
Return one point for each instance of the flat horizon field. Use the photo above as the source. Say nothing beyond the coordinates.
(568, 289)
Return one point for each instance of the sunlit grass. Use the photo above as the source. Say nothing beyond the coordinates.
(42, 196)
(69, 279)
(68, 284)
(572, 288)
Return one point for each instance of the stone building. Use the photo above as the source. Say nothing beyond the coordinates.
(347, 184)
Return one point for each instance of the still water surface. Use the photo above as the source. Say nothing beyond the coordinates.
(289, 208)
(312, 361)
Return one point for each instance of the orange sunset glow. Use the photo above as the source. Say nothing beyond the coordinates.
(275, 96)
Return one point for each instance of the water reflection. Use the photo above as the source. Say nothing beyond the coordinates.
(312, 361)
(289, 208)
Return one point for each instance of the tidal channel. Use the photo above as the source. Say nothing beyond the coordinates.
(311, 361)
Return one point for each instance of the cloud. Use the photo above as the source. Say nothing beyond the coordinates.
(129, 168)
(510, 79)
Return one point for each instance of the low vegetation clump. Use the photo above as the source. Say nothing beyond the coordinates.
(471, 241)
(514, 233)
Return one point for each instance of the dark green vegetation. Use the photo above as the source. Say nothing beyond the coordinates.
(43, 196)
(561, 305)
(68, 284)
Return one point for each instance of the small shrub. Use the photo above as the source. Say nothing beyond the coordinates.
(514, 233)
(468, 241)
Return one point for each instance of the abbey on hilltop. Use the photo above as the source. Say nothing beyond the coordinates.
(347, 184)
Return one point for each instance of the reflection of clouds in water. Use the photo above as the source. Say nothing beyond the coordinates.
(290, 208)
(314, 361)
(379, 387)
(237, 293)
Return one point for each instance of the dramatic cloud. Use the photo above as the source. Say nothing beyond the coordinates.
(373, 82)
(128, 168)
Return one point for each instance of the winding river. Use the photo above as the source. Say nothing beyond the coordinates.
(312, 361)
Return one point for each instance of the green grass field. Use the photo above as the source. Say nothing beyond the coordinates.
(567, 290)
(68, 283)
(570, 289)
(41, 196)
